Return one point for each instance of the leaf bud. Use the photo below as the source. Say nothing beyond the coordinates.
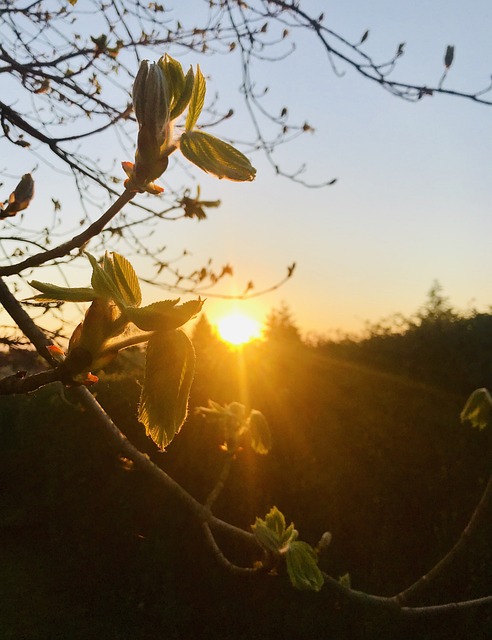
(20, 198)
(449, 56)
(151, 99)
(324, 542)
(151, 102)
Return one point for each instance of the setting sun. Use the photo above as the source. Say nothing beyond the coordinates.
(238, 328)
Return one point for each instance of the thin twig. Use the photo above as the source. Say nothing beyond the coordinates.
(217, 490)
(220, 557)
(475, 521)
(21, 383)
(75, 243)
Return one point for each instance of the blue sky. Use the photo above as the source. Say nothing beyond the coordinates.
(413, 199)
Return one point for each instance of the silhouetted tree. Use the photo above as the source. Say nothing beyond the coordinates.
(281, 327)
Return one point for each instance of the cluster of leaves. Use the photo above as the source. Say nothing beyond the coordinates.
(161, 94)
(238, 425)
(281, 544)
(115, 320)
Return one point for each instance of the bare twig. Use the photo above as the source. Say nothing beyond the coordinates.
(21, 383)
(475, 521)
(217, 490)
(75, 243)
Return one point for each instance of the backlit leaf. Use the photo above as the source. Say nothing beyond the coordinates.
(102, 283)
(197, 100)
(261, 437)
(184, 98)
(169, 370)
(53, 293)
(124, 277)
(173, 72)
(478, 409)
(272, 533)
(164, 315)
(216, 156)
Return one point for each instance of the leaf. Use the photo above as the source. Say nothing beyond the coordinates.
(275, 520)
(197, 100)
(102, 283)
(72, 2)
(123, 275)
(261, 437)
(478, 409)
(265, 536)
(169, 370)
(184, 98)
(302, 567)
(271, 532)
(216, 157)
(165, 315)
(173, 72)
(53, 293)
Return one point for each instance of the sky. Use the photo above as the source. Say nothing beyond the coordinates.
(412, 202)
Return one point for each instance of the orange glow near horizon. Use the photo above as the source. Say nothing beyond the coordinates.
(238, 328)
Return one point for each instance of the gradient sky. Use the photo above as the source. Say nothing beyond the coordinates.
(413, 199)
(414, 194)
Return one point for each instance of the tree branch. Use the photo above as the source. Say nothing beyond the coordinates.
(475, 521)
(75, 243)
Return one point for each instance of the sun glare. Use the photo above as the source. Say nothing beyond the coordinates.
(238, 328)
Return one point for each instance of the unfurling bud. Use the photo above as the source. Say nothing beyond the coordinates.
(20, 198)
(161, 93)
(324, 542)
(151, 101)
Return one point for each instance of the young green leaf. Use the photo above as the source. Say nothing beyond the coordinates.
(216, 156)
(302, 567)
(259, 431)
(173, 72)
(197, 100)
(275, 520)
(169, 370)
(102, 283)
(164, 315)
(124, 277)
(184, 98)
(271, 532)
(53, 293)
(265, 536)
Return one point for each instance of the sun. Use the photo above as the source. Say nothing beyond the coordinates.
(238, 328)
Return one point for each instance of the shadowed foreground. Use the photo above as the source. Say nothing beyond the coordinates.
(91, 548)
